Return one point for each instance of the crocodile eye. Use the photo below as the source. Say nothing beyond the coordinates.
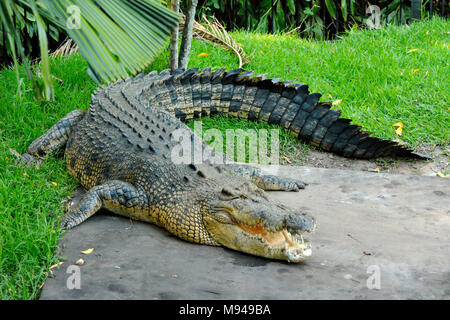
(228, 194)
(231, 194)
(222, 217)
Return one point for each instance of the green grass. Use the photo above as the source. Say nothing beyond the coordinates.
(370, 71)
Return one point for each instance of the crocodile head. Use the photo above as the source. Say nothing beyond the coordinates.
(245, 219)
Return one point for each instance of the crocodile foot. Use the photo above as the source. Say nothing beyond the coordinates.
(29, 160)
(289, 184)
(275, 183)
(26, 159)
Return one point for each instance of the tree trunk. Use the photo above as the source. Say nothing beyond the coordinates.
(173, 64)
(187, 34)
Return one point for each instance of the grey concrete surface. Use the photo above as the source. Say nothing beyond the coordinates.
(398, 225)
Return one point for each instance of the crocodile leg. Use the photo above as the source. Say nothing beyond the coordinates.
(53, 139)
(268, 182)
(115, 195)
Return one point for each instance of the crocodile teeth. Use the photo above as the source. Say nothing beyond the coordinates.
(296, 248)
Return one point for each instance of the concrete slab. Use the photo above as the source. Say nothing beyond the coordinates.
(369, 224)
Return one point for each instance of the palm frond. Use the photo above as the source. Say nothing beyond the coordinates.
(121, 42)
(118, 38)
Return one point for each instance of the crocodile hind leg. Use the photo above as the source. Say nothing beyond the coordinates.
(115, 195)
(268, 182)
(53, 139)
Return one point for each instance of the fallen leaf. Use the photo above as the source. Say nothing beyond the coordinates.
(6, 159)
(440, 174)
(261, 52)
(398, 124)
(203, 54)
(413, 50)
(54, 183)
(414, 71)
(79, 262)
(287, 159)
(377, 170)
(337, 102)
(398, 131)
(88, 251)
(56, 265)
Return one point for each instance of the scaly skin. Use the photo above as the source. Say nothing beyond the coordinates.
(121, 149)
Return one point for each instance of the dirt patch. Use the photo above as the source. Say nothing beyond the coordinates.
(320, 159)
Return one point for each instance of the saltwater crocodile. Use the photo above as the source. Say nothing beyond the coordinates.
(120, 151)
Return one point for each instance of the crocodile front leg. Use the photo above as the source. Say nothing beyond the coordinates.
(268, 182)
(53, 139)
(117, 196)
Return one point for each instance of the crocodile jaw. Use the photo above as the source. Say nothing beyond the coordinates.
(256, 240)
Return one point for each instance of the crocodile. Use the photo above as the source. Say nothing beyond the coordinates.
(121, 152)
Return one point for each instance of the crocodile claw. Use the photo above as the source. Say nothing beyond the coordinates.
(26, 159)
(288, 184)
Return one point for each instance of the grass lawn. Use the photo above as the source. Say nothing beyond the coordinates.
(381, 77)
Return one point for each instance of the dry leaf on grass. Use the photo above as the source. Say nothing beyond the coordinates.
(399, 129)
(56, 265)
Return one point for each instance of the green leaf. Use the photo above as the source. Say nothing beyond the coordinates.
(291, 6)
(353, 7)
(308, 12)
(279, 21)
(48, 90)
(344, 9)
(331, 8)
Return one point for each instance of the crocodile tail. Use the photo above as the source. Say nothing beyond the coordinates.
(192, 94)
